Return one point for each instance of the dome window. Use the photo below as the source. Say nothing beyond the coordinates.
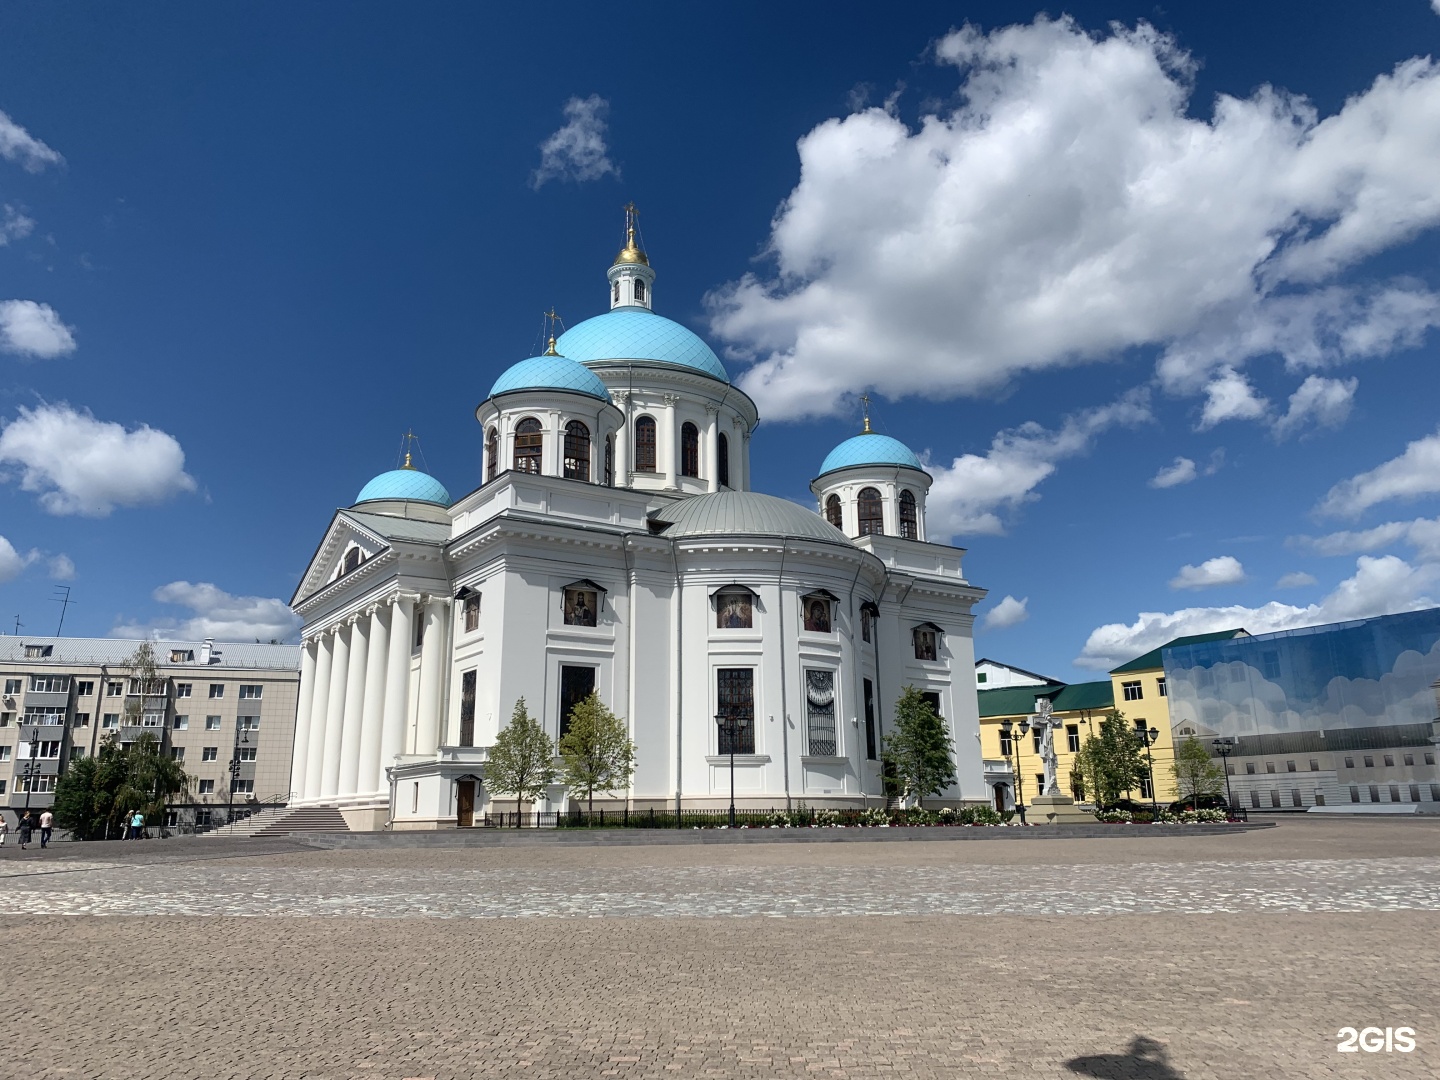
(832, 511)
(529, 446)
(577, 451)
(615, 293)
(722, 459)
(492, 454)
(872, 512)
(909, 525)
(689, 450)
(645, 444)
(609, 461)
(639, 291)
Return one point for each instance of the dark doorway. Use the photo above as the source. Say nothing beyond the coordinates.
(576, 684)
(464, 803)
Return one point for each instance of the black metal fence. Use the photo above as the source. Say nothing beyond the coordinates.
(653, 818)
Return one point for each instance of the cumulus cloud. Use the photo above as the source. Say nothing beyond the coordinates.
(1181, 472)
(62, 568)
(1320, 402)
(577, 151)
(11, 561)
(33, 329)
(14, 225)
(19, 146)
(217, 614)
(1069, 208)
(1229, 396)
(1008, 612)
(969, 493)
(1414, 473)
(1221, 570)
(1297, 580)
(80, 465)
(1422, 534)
(1380, 586)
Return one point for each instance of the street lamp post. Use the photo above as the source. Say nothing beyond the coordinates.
(1149, 737)
(241, 739)
(1013, 759)
(32, 767)
(1224, 747)
(726, 723)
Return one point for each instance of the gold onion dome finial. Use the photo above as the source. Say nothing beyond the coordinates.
(550, 349)
(865, 402)
(631, 252)
(407, 439)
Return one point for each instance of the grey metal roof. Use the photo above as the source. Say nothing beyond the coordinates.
(398, 528)
(745, 513)
(116, 651)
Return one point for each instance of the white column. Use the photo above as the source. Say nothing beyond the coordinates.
(622, 440)
(335, 715)
(377, 663)
(354, 705)
(554, 459)
(397, 682)
(712, 451)
(427, 721)
(671, 446)
(319, 710)
(302, 717)
(744, 443)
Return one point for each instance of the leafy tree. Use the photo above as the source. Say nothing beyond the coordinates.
(145, 671)
(1114, 761)
(1196, 772)
(918, 748)
(597, 752)
(522, 761)
(96, 796)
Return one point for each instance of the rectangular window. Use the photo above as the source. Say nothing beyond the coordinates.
(1038, 738)
(1409, 759)
(76, 753)
(45, 714)
(1369, 762)
(1435, 792)
(203, 817)
(1314, 765)
(1295, 799)
(420, 631)
(1389, 761)
(182, 656)
(1374, 792)
(84, 689)
(1394, 792)
(2, 787)
(1270, 662)
(869, 720)
(1072, 738)
(1414, 792)
(925, 644)
(244, 787)
(152, 719)
(206, 787)
(472, 615)
(1250, 768)
(46, 748)
(1429, 759)
(1349, 763)
(867, 623)
(1160, 685)
(1274, 796)
(1289, 766)
(37, 652)
(1319, 797)
(576, 684)
(114, 689)
(82, 719)
(820, 712)
(12, 686)
(1354, 793)
(467, 709)
(217, 690)
(1269, 766)
(37, 784)
(50, 684)
(212, 723)
(6, 718)
(247, 753)
(981, 677)
(248, 723)
(1132, 691)
(251, 691)
(110, 720)
(1145, 792)
(178, 753)
(1229, 769)
(182, 723)
(1006, 748)
(210, 753)
(147, 687)
(735, 704)
(4, 753)
(645, 444)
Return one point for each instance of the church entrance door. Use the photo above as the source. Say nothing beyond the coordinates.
(464, 803)
(1001, 797)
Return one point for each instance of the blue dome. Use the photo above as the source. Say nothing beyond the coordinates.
(551, 373)
(409, 484)
(870, 448)
(638, 334)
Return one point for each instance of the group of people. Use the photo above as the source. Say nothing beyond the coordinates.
(29, 823)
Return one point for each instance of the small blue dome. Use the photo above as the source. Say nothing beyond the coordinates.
(551, 373)
(638, 334)
(409, 484)
(870, 448)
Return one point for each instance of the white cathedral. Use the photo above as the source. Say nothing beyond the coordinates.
(614, 545)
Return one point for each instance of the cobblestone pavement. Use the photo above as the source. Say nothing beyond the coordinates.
(1223, 960)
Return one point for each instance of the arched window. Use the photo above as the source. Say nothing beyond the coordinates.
(832, 511)
(909, 528)
(609, 461)
(353, 558)
(872, 512)
(645, 444)
(689, 450)
(615, 293)
(722, 460)
(639, 291)
(577, 451)
(529, 446)
(492, 454)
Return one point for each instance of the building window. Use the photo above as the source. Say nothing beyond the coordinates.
(152, 719)
(1038, 738)
(1270, 662)
(722, 459)
(576, 684)
(420, 631)
(734, 609)
(1374, 792)
(492, 454)
(1250, 768)
(1429, 759)
(247, 753)
(248, 723)
(84, 689)
(577, 451)
(1319, 797)
(467, 708)
(37, 652)
(1414, 792)
(251, 691)
(183, 689)
(1145, 791)
(82, 719)
(1072, 738)
(78, 752)
(615, 292)
(12, 686)
(645, 444)
(689, 449)
(217, 690)
(529, 446)
(177, 753)
(580, 606)
(1160, 685)
(4, 753)
(1295, 799)
(925, 643)
(909, 525)
(1389, 761)
(353, 558)
(869, 720)
(1394, 792)
(639, 290)
(1132, 691)
(206, 787)
(1409, 759)
(1255, 800)
(45, 714)
(1314, 765)
(1354, 793)
(210, 753)
(1349, 763)
(1006, 747)
(816, 612)
(114, 688)
(820, 713)
(867, 622)
(833, 513)
(50, 684)
(1274, 796)
(244, 787)
(1369, 762)
(1269, 766)
(38, 784)
(110, 720)
(735, 702)
(472, 612)
(609, 461)
(872, 512)
(212, 723)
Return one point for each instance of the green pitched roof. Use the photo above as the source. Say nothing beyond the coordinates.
(1020, 700)
(1151, 660)
(1085, 695)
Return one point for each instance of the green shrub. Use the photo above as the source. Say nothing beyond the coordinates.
(827, 817)
(873, 817)
(982, 815)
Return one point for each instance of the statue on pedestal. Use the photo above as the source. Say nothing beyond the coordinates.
(1048, 726)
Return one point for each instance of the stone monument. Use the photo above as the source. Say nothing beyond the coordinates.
(1050, 807)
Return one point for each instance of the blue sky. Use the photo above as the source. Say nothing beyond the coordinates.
(1153, 289)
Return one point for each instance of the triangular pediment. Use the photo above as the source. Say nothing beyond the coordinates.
(329, 563)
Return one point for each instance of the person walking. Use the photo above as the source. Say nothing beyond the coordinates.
(47, 825)
(24, 829)
(4, 829)
(137, 825)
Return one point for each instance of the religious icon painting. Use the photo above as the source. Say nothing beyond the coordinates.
(817, 614)
(580, 607)
(734, 611)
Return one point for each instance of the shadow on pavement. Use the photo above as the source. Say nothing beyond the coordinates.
(1145, 1059)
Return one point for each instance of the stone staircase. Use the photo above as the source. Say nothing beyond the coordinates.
(306, 819)
(251, 825)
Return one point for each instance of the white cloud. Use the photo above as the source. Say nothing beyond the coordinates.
(11, 561)
(62, 567)
(1231, 397)
(19, 146)
(1380, 586)
(1008, 612)
(577, 151)
(33, 329)
(217, 614)
(1414, 473)
(13, 224)
(968, 493)
(1422, 534)
(1297, 580)
(1068, 209)
(1221, 570)
(1321, 401)
(1182, 472)
(80, 465)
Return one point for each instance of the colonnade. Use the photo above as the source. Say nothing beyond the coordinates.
(353, 718)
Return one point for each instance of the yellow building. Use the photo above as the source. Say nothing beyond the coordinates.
(1080, 707)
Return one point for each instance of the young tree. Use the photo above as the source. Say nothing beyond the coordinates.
(1114, 760)
(597, 750)
(522, 761)
(1196, 772)
(145, 671)
(96, 796)
(918, 748)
